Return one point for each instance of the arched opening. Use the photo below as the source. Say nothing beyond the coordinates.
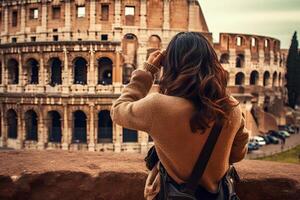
(239, 41)
(130, 135)
(31, 125)
(154, 43)
(79, 127)
(240, 60)
(13, 71)
(105, 71)
(54, 126)
(12, 124)
(32, 68)
(266, 78)
(240, 78)
(224, 58)
(55, 71)
(105, 130)
(267, 44)
(253, 42)
(275, 81)
(80, 71)
(254, 78)
(129, 49)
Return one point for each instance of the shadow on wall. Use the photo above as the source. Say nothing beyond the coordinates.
(66, 185)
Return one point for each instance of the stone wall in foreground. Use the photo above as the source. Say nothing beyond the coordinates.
(43, 175)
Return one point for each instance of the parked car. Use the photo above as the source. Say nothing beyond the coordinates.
(252, 146)
(260, 141)
(289, 129)
(266, 139)
(277, 134)
(285, 133)
(272, 139)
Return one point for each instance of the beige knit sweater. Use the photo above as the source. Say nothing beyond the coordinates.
(166, 119)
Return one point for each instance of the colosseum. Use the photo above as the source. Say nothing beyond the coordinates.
(64, 62)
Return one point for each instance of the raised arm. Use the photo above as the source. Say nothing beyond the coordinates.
(134, 109)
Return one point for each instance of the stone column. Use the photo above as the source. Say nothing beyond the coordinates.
(247, 57)
(3, 129)
(4, 70)
(21, 128)
(42, 70)
(143, 14)
(44, 21)
(5, 22)
(21, 73)
(166, 20)
(41, 132)
(272, 59)
(92, 73)
(117, 13)
(66, 132)
(91, 144)
(65, 74)
(117, 21)
(261, 58)
(192, 15)
(232, 58)
(118, 69)
(23, 23)
(68, 25)
(117, 137)
(92, 29)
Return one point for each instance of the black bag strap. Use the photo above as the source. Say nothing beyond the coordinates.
(204, 156)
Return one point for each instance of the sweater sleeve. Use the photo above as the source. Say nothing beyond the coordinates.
(239, 147)
(133, 109)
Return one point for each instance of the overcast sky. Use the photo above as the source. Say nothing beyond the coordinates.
(275, 18)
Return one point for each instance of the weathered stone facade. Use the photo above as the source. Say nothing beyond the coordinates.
(63, 63)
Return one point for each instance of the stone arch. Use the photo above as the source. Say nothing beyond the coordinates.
(154, 43)
(275, 79)
(129, 49)
(267, 44)
(80, 71)
(54, 126)
(239, 40)
(105, 129)
(13, 71)
(240, 78)
(266, 78)
(79, 127)
(55, 71)
(12, 123)
(105, 71)
(254, 77)
(31, 125)
(254, 42)
(224, 59)
(130, 135)
(240, 61)
(32, 69)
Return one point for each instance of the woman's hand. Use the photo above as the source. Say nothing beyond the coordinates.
(156, 57)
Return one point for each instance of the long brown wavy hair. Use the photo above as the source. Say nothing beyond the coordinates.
(191, 70)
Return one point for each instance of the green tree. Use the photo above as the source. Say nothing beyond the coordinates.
(293, 72)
